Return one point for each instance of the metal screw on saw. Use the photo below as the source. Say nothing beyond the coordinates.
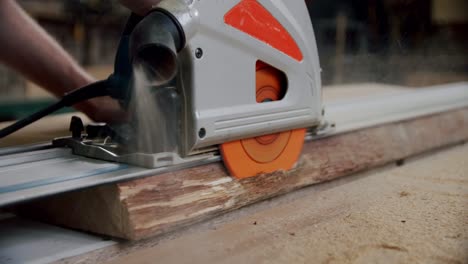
(198, 53)
(202, 133)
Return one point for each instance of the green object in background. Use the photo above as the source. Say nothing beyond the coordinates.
(17, 109)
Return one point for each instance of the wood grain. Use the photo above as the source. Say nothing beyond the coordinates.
(154, 205)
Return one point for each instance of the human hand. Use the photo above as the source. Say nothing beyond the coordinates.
(103, 109)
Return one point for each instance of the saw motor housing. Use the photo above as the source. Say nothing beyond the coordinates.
(225, 42)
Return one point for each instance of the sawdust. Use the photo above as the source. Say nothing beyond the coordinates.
(404, 194)
(149, 119)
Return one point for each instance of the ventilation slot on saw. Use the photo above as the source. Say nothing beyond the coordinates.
(271, 83)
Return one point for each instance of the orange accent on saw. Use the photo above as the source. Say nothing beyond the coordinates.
(265, 154)
(250, 17)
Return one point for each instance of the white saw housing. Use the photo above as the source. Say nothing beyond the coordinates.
(217, 73)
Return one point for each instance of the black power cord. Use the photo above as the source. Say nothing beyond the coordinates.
(93, 90)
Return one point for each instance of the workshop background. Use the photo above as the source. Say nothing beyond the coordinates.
(402, 42)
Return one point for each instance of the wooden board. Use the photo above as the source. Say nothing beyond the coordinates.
(155, 205)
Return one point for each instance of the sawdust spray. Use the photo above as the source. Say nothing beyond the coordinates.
(155, 112)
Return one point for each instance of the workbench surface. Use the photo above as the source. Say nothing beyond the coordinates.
(415, 213)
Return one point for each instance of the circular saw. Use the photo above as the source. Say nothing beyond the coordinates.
(238, 76)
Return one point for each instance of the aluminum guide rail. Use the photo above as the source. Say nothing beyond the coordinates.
(26, 241)
(41, 170)
(359, 113)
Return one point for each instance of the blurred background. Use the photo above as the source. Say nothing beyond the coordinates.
(413, 43)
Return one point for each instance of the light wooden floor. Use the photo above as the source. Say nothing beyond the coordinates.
(416, 213)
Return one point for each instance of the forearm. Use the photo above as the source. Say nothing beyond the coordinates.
(26, 47)
(140, 7)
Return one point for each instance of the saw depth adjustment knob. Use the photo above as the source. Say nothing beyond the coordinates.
(76, 127)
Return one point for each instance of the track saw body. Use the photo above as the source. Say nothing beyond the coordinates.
(238, 76)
